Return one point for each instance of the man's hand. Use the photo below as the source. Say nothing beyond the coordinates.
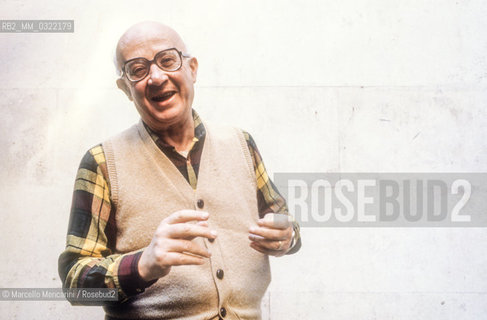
(171, 244)
(273, 235)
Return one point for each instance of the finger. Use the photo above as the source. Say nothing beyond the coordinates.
(202, 223)
(271, 234)
(271, 244)
(258, 248)
(183, 216)
(189, 231)
(275, 220)
(179, 259)
(188, 247)
(255, 237)
(261, 249)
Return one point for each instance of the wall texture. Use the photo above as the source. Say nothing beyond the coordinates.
(323, 86)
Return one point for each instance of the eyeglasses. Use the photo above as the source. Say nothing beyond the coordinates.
(168, 60)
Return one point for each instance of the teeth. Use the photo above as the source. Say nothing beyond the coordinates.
(163, 96)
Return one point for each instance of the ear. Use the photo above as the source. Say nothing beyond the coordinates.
(193, 66)
(122, 85)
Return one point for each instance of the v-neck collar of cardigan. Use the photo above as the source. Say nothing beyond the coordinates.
(164, 160)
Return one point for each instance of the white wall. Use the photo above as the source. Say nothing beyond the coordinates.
(313, 82)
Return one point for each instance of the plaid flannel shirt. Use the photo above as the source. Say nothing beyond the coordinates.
(90, 261)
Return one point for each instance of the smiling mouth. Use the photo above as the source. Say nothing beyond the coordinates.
(164, 96)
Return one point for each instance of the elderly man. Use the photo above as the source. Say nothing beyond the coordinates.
(178, 215)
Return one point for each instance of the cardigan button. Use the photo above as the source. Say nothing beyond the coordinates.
(223, 312)
(219, 274)
(200, 203)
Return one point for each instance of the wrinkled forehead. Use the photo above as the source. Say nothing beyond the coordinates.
(146, 44)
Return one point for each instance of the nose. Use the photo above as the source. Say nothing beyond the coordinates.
(156, 75)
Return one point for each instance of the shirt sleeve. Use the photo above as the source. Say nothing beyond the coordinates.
(268, 197)
(88, 260)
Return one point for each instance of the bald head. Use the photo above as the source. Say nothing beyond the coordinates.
(139, 35)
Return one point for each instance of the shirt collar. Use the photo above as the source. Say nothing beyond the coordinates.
(199, 133)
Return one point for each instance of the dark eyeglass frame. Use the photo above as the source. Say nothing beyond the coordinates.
(150, 62)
